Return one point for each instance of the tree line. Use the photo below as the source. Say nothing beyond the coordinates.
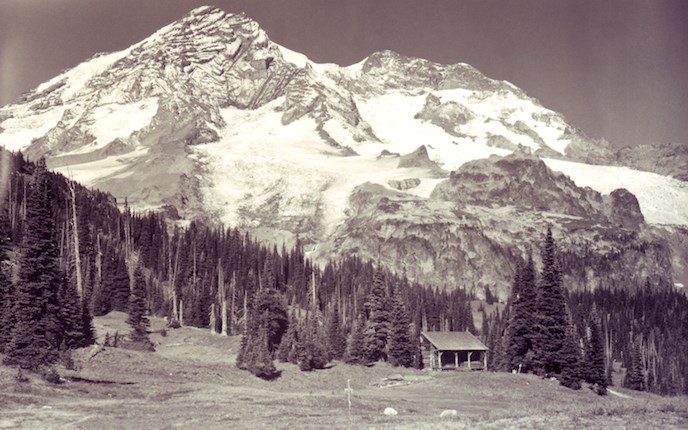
(577, 336)
(68, 253)
(101, 259)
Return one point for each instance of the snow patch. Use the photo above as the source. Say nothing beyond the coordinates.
(78, 76)
(27, 125)
(118, 121)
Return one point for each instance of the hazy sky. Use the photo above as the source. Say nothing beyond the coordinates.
(616, 69)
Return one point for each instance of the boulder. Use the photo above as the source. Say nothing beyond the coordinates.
(391, 412)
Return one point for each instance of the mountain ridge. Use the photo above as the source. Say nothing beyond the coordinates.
(212, 118)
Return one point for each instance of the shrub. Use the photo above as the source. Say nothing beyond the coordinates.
(50, 375)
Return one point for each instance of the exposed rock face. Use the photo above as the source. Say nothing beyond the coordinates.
(669, 159)
(491, 212)
(404, 184)
(624, 209)
(518, 180)
(448, 115)
(419, 158)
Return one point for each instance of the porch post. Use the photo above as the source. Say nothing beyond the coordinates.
(469, 359)
(439, 360)
(484, 361)
(456, 359)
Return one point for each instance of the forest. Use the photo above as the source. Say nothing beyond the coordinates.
(68, 253)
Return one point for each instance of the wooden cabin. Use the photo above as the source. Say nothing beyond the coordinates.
(453, 350)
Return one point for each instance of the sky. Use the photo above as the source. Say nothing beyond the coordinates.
(616, 69)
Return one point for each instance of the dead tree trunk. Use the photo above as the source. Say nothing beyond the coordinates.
(222, 297)
(75, 235)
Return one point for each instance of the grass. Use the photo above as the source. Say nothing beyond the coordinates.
(191, 382)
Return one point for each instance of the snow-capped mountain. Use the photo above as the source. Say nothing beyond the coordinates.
(211, 117)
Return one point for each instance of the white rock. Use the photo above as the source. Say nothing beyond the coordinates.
(391, 412)
(449, 413)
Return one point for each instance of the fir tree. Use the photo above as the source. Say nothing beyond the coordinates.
(287, 347)
(595, 369)
(71, 318)
(6, 287)
(271, 313)
(355, 348)
(377, 331)
(551, 316)
(36, 334)
(261, 363)
(570, 360)
(311, 352)
(518, 347)
(635, 376)
(335, 337)
(400, 344)
(137, 320)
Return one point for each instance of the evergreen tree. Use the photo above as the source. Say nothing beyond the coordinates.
(36, 334)
(400, 344)
(570, 360)
(635, 376)
(378, 329)
(551, 316)
(137, 320)
(335, 337)
(355, 348)
(261, 363)
(311, 352)
(287, 347)
(265, 326)
(71, 318)
(271, 312)
(6, 287)
(518, 342)
(595, 369)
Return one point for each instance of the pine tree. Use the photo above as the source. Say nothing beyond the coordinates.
(518, 343)
(377, 331)
(551, 316)
(400, 345)
(635, 376)
(595, 369)
(36, 334)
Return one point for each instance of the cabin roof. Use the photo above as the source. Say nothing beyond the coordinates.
(454, 341)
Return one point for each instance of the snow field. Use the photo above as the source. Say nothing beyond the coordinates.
(663, 200)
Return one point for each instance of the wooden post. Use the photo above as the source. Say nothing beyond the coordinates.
(456, 359)
(484, 361)
(469, 359)
(439, 359)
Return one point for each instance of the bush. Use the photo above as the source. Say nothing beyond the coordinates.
(50, 375)
(67, 360)
(174, 324)
(20, 377)
(163, 333)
